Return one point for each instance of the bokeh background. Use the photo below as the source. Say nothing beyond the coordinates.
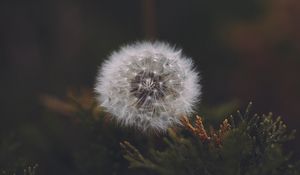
(245, 50)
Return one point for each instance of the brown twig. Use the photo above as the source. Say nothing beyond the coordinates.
(199, 130)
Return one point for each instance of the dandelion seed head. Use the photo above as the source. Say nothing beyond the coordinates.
(148, 85)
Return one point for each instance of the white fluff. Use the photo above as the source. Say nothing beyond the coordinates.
(148, 85)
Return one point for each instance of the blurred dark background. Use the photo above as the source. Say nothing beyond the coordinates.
(245, 51)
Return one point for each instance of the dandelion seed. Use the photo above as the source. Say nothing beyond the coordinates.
(148, 85)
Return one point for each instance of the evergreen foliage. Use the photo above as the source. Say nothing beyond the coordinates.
(249, 146)
(243, 144)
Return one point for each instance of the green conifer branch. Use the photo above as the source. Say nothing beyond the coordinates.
(251, 146)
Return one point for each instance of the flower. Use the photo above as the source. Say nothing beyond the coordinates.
(148, 85)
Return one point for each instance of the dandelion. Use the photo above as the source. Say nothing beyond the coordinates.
(148, 85)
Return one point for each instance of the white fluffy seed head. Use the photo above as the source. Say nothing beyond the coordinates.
(148, 85)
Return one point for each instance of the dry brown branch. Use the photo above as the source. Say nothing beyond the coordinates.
(199, 130)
